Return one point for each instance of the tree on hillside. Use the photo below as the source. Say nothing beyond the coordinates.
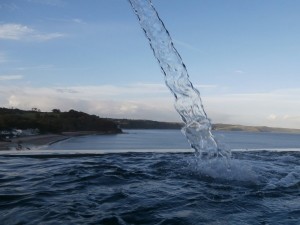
(35, 110)
(56, 111)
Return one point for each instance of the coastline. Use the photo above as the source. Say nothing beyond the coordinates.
(35, 141)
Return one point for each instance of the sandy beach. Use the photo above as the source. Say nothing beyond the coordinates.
(29, 142)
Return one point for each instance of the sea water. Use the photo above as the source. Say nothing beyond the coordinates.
(173, 139)
(154, 187)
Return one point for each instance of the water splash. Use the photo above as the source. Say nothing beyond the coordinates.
(188, 102)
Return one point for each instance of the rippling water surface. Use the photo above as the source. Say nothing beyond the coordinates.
(262, 187)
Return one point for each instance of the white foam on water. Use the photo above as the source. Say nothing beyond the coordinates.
(288, 180)
(271, 174)
(233, 170)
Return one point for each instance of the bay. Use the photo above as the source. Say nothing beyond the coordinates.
(174, 139)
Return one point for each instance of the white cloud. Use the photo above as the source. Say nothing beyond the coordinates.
(267, 109)
(12, 31)
(126, 101)
(272, 117)
(239, 71)
(46, 37)
(48, 2)
(36, 67)
(78, 21)
(98, 100)
(206, 86)
(13, 101)
(10, 77)
(131, 91)
(291, 117)
(8, 6)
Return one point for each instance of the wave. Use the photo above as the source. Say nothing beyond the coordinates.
(148, 187)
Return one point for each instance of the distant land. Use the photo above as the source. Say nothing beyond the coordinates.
(230, 127)
(149, 124)
(54, 122)
(145, 124)
(73, 121)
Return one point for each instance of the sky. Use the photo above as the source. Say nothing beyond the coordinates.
(92, 56)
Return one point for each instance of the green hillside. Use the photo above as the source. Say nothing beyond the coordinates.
(55, 121)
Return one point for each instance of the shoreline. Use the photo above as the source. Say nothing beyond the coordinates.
(35, 141)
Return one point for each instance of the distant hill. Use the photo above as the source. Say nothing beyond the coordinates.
(55, 121)
(230, 127)
(149, 124)
(146, 124)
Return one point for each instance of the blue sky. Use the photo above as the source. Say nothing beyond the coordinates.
(92, 56)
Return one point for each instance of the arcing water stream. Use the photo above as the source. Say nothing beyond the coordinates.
(188, 102)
